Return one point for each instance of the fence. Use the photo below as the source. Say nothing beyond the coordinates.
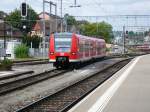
(131, 32)
(38, 53)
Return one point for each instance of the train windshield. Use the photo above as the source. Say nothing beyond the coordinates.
(62, 43)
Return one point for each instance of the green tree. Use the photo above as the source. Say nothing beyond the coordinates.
(131, 33)
(35, 40)
(15, 19)
(99, 30)
(2, 15)
(70, 21)
(32, 16)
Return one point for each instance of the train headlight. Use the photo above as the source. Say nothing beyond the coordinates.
(73, 53)
(51, 53)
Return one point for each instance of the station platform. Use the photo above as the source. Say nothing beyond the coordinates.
(126, 91)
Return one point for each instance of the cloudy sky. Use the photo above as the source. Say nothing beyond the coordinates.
(94, 8)
(89, 7)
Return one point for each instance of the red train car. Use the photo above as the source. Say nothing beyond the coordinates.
(70, 48)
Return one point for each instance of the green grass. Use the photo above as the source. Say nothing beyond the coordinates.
(22, 51)
(6, 64)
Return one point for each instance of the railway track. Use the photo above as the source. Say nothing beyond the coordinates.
(19, 83)
(66, 98)
(15, 75)
(30, 62)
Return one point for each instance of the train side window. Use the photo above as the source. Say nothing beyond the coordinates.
(81, 47)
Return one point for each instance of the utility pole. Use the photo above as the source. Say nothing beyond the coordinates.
(124, 36)
(56, 16)
(66, 26)
(61, 17)
(50, 13)
(53, 4)
(97, 24)
(44, 47)
(44, 37)
(4, 27)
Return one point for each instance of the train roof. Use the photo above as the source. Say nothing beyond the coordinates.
(90, 38)
(63, 34)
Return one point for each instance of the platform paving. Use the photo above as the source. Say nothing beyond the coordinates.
(127, 91)
(134, 94)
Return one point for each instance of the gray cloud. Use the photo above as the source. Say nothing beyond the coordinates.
(89, 7)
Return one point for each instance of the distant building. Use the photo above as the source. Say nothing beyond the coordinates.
(2, 15)
(147, 39)
(10, 48)
(146, 45)
(10, 32)
(50, 25)
(37, 30)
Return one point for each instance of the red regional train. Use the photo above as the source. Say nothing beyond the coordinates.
(70, 49)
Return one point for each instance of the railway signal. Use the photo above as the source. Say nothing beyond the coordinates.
(126, 35)
(23, 9)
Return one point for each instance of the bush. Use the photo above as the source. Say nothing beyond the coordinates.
(34, 39)
(22, 51)
(6, 64)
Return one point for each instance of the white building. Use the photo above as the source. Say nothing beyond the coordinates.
(10, 47)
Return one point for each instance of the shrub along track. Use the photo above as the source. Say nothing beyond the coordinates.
(66, 98)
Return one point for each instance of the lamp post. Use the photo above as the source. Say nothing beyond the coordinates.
(4, 31)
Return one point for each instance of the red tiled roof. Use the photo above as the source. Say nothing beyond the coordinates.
(37, 27)
(45, 15)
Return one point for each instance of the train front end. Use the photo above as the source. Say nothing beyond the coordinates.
(63, 49)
